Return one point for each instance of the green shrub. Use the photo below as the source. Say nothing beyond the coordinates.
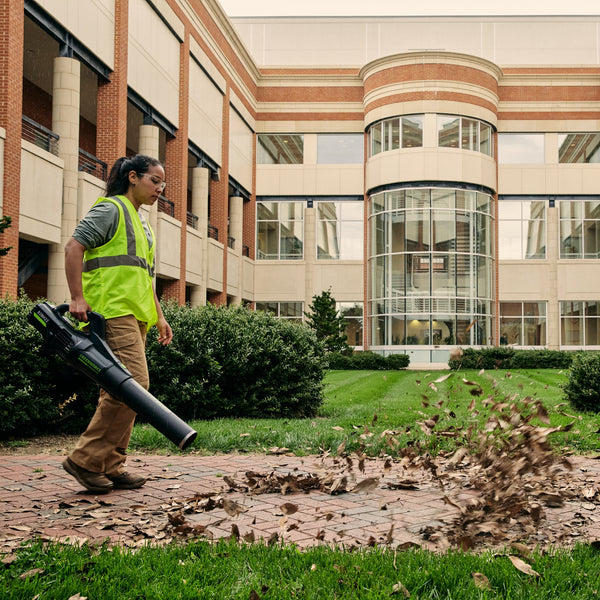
(503, 357)
(541, 359)
(582, 389)
(38, 393)
(367, 360)
(226, 362)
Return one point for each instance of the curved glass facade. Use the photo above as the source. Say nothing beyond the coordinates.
(431, 267)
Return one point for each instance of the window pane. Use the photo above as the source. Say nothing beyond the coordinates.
(327, 211)
(443, 230)
(579, 148)
(412, 132)
(470, 131)
(375, 135)
(448, 132)
(340, 149)
(267, 211)
(290, 309)
(571, 209)
(328, 240)
(591, 239)
(520, 148)
(485, 139)
(391, 138)
(571, 332)
(571, 241)
(592, 332)
(268, 240)
(278, 149)
(267, 307)
(351, 246)
(291, 240)
(510, 330)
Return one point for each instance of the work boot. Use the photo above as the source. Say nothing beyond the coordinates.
(93, 482)
(126, 481)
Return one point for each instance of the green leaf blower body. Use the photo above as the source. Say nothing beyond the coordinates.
(90, 354)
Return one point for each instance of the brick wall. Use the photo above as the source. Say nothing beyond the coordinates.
(11, 93)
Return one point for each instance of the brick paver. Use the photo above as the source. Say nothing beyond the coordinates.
(38, 499)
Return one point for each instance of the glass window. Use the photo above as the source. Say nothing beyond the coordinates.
(523, 323)
(465, 133)
(580, 323)
(340, 230)
(282, 310)
(579, 148)
(395, 133)
(580, 229)
(470, 134)
(280, 149)
(375, 136)
(521, 229)
(340, 149)
(485, 139)
(412, 131)
(353, 315)
(448, 132)
(430, 268)
(521, 148)
(279, 230)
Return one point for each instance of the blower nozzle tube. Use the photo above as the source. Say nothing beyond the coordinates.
(90, 354)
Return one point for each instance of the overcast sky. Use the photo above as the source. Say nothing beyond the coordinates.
(274, 8)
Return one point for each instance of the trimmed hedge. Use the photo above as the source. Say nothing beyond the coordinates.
(223, 362)
(503, 357)
(236, 362)
(582, 390)
(367, 360)
(38, 393)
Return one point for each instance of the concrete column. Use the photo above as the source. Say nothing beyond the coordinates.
(200, 187)
(236, 231)
(310, 254)
(149, 142)
(66, 93)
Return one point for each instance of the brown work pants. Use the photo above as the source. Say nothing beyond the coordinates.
(102, 448)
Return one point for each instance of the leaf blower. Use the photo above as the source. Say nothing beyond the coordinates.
(89, 353)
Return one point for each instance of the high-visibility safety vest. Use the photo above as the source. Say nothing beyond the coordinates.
(118, 276)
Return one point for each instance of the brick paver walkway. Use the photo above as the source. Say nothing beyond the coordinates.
(38, 499)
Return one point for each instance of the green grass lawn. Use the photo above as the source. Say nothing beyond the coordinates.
(228, 571)
(360, 405)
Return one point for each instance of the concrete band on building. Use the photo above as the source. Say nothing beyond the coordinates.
(438, 175)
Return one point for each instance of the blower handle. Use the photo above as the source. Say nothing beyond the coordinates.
(95, 319)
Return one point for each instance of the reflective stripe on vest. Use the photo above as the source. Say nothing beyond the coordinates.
(131, 259)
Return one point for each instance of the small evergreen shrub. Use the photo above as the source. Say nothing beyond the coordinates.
(367, 360)
(503, 357)
(582, 390)
(236, 362)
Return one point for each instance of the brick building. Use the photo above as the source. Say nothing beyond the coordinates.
(439, 175)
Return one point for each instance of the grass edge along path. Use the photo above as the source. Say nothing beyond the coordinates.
(227, 570)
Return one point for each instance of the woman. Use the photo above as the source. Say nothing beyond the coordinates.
(109, 264)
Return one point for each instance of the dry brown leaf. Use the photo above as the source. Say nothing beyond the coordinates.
(366, 485)
(232, 508)
(523, 566)
(31, 573)
(481, 581)
(398, 588)
(288, 508)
